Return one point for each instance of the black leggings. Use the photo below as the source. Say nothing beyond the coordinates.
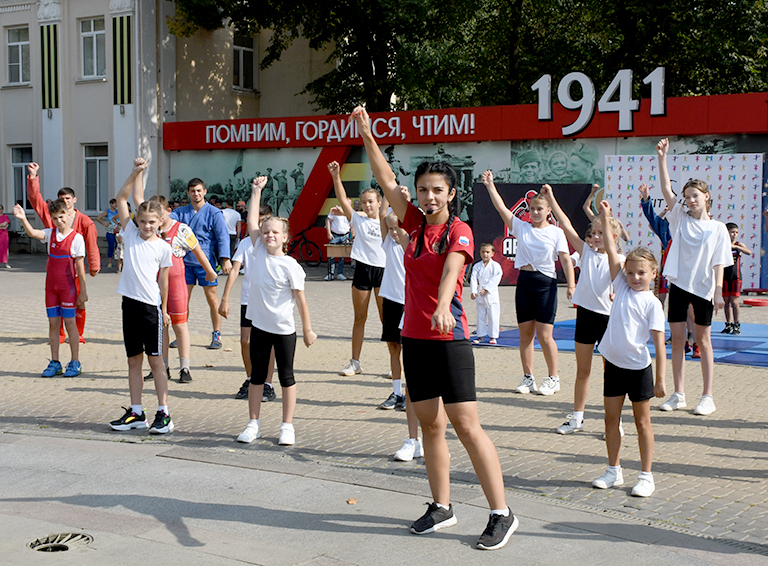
(261, 346)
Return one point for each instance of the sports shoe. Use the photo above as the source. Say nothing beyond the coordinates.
(434, 519)
(687, 347)
(706, 406)
(400, 404)
(644, 487)
(479, 340)
(696, 352)
(392, 401)
(549, 386)
(215, 340)
(73, 369)
(287, 435)
(341, 277)
(497, 531)
(162, 424)
(250, 433)
(81, 339)
(609, 479)
(54, 368)
(129, 420)
(736, 328)
(527, 385)
(570, 426)
(351, 368)
(328, 277)
(150, 376)
(173, 344)
(492, 341)
(728, 328)
(268, 394)
(184, 376)
(675, 401)
(411, 449)
(243, 392)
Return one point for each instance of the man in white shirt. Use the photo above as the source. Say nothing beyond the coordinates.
(231, 218)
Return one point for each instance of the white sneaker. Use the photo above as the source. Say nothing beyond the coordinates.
(250, 433)
(706, 406)
(571, 426)
(411, 449)
(549, 386)
(527, 385)
(328, 277)
(341, 277)
(287, 435)
(609, 479)
(644, 487)
(351, 368)
(675, 401)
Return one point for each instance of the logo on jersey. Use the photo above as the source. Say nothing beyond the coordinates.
(463, 240)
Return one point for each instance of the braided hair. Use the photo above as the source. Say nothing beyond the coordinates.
(449, 173)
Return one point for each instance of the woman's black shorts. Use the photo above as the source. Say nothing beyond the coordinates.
(439, 368)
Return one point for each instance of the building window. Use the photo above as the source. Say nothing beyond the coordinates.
(20, 158)
(18, 55)
(96, 177)
(94, 50)
(243, 62)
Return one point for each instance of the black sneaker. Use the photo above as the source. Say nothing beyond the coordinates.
(162, 425)
(400, 403)
(150, 376)
(268, 394)
(728, 328)
(129, 420)
(434, 519)
(243, 392)
(173, 344)
(184, 376)
(736, 328)
(390, 403)
(497, 531)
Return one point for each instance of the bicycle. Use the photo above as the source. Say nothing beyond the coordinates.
(309, 251)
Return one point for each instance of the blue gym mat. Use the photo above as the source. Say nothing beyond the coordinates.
(750, 348)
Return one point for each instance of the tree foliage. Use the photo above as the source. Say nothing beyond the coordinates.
(394, 54)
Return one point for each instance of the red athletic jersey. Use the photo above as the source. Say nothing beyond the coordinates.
(61, 271)
(423, 275)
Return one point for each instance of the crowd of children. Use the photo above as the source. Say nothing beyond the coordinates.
(414, 259)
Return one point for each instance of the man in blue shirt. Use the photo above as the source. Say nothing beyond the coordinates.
(207, 222)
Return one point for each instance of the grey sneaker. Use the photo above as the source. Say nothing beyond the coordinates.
(392, 402)
(434, 519)
(497, 531)
(527, 385)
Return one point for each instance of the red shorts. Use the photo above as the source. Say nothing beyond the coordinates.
(663, 286)
(60, 299)
(178, 296)
(732, 288)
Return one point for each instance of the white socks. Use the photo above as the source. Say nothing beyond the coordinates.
(397, 386)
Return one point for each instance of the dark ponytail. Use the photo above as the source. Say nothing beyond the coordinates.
(449, 173)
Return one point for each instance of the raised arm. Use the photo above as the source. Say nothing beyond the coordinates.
(498, 202)
(35, 198)
(139, 164)
(35, 233)
(565, 223)
(587, 206)
(253, 208)
(341, 193)
(379, 165)
(610, 243)
(662, 148)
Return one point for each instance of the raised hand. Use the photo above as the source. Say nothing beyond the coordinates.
(487, 178)
(643, 189)
(334, 169)
(33, 168)
(662, 148)
(258, 183)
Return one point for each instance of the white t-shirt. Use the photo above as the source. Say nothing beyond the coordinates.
(141, 263)
(594, 287)
(270, 299)
(366, 247)
(538, 247)
(393, 281)
(77, 249)
(339, 224)
(697, 247)
(633, 317)
(243, 255)
(231, 218)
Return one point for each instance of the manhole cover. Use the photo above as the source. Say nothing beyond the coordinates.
(60, 542)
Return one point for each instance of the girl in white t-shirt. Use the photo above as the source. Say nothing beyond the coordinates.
(636, 313)
(277, 285)
(369, 257)
(700, 250)
(539, 244)
(592, 297)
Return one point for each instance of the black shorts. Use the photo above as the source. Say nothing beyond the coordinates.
(590, 326)
(678, 307)
(439, 368)
(262, 343)
(367, 277)
(392, 313)
(244, 321)
(536, 297)
(142, 328)
(635, 383)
